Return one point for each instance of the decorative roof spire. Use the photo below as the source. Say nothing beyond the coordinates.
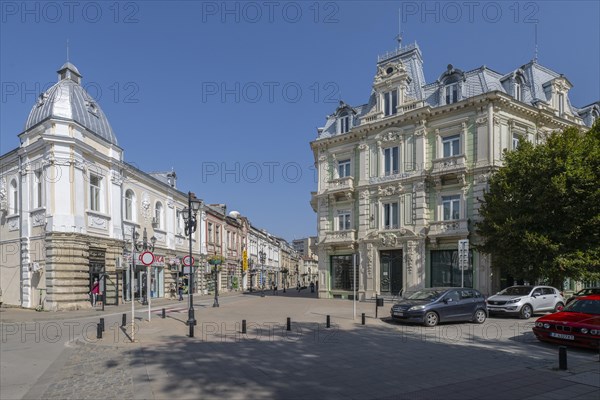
(69, 71)
(399, 37)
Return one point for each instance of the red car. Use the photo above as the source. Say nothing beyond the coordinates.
(578, 324)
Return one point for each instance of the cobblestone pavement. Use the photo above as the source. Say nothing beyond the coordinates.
(93, 372)
(382, 360)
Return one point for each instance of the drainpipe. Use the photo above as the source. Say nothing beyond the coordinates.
(21, 230)
(490, 121)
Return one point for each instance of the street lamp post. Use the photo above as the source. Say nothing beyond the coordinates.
(215, 261)
(189, 217)
(251, 272)
(262, 256)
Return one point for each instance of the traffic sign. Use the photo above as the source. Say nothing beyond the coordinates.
(463, 254)
(147, 258)
(186, 261)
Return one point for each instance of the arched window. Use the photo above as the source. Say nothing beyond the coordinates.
(129, 205)
(158, 216)
(14, 197)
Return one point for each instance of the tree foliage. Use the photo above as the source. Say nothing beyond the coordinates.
(541, 215)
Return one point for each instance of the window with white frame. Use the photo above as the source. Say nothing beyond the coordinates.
(561, 103)
(518, 90)
(344, 123)
(343, 220)
(211, 234)
(391, 160)
(179, 221)
(129, 204)
(38, 200)
(158, 215)
(14, 197)
(451, 207)
(390, 102)
(451, 146)
(515, 141)
(95, 192)
(391, 218)
(451, 92)
(344, 168)
(218, 235)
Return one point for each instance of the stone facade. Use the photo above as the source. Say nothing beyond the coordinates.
(400, 178)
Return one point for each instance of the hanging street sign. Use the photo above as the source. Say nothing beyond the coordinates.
(147, 258)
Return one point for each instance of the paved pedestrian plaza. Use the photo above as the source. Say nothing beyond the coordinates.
(57, 356)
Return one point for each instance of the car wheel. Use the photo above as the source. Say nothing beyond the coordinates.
(526, 312)
(479, 316)
(559, 304)
(431, 319)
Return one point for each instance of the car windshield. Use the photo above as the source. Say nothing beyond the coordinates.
(584, 306)
(426, 294)
(516, 291)
(586, 291)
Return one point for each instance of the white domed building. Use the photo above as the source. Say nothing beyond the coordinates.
(69, 203)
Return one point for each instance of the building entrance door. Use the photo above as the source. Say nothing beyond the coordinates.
(390, 272)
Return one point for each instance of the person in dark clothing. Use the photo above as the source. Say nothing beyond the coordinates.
(180, 290)
(312, 287)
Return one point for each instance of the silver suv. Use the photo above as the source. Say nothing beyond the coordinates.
(525, 300)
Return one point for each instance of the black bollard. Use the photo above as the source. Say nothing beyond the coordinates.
(376, 305)
(328, 322)
(289, 324)
(191, 330)
(98, 331)
(102, 323)
(562, 358)
(163, 313)
(243, 326)
(363, 318)
(124, 320)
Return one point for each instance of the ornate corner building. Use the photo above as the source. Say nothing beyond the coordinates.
(400, 178)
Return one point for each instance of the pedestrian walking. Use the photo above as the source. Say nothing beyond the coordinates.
(180, 290)
(95, 291)
(312, 287)
(275, 290)
(298, 286)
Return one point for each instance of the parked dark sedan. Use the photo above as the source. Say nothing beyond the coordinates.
(433, 305)
(584, 292)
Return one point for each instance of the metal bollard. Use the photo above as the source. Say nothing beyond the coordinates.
(289, 324)
(363, 318)
(102, 323)
(243, 326)
(328, 322)
(562, 358)
(191, 330)
(163, 313)
(124, 320)
(98, 331)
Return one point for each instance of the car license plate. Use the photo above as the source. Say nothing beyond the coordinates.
(562, 336)
(399, 314)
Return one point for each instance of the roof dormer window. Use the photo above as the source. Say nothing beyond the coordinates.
(561, 104)
(518, 91)
(451, 93)
(390, 103)
(344, 123)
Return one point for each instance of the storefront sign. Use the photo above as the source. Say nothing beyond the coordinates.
(245, 261)
(159, 261)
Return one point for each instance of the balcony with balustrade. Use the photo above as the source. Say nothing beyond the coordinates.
(449, 165)
(340, 238)
(451, 228)
(341, 186)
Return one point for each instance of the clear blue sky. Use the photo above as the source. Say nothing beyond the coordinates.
(205, 87)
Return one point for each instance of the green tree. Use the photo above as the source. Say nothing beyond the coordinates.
(541, 214)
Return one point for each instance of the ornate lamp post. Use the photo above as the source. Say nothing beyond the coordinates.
(215, 261)
(189, 217)
(262, 255)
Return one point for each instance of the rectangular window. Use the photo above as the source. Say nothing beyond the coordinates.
(344, 124)
(390, 216)
(452, 93)
(390, 102)
(561, 103)
(211, 237)
(128, 208)
(451, 207)
(344, 168)
(391, 160)
(343, 220)
(451, 145)
(95, 182)
(38, 189)
(218, 235)
(515, 141)
(518, 91)
(342, 273)
(445, 271)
